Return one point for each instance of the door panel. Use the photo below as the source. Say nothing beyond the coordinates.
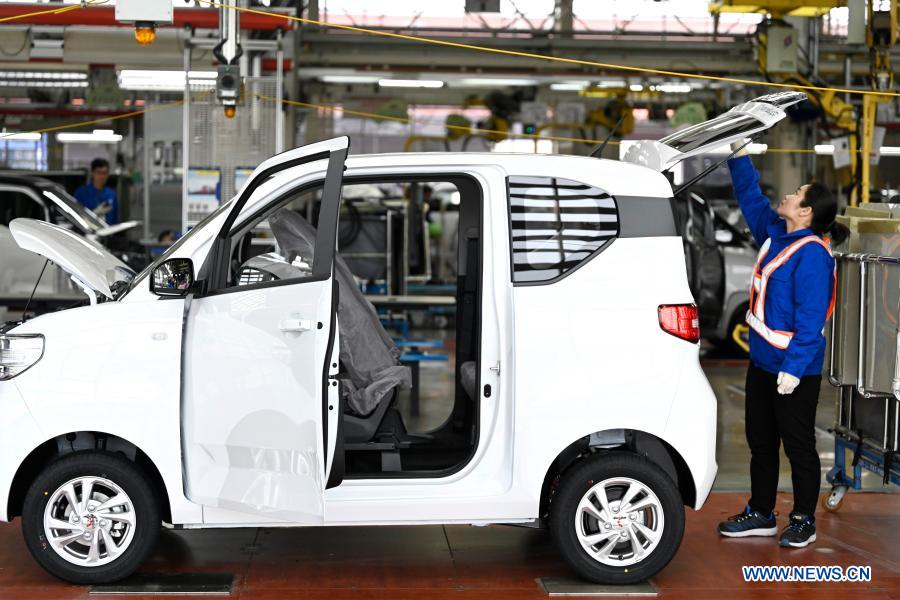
(256, 399)
(253, 409)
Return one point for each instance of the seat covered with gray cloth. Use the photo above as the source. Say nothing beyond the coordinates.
(368, 354)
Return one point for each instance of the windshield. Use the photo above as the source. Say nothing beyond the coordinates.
(174, 247)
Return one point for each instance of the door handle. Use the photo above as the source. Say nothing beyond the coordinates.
(295, 325)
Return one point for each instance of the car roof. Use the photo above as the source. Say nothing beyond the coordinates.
(24, 180)
(614, 176)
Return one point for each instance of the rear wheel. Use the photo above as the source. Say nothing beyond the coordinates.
(617, 518)
(90, 517)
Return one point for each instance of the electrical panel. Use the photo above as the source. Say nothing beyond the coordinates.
(781, 49)
(152, 11)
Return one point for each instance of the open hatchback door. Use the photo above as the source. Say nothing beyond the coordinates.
(260, 405)
(743, 121)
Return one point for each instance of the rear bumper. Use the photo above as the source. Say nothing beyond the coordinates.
(691, 426)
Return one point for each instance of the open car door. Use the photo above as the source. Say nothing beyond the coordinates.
(743, 121)
(260, 409)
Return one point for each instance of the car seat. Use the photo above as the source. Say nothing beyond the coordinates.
(468, 377)
(371, 373)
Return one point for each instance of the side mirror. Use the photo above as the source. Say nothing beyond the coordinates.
(723, 236)
(175, 277)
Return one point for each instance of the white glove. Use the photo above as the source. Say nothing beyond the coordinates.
(787, 383)
(743, 151)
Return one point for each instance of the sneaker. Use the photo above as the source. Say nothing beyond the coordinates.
(800, 533)
(750, 522)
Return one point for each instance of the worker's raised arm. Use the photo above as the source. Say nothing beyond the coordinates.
(754, 204)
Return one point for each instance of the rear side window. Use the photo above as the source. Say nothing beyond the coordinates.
(556, 225)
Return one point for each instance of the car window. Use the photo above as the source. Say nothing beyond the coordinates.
(279, 244)
(556, 224)
(16, 205)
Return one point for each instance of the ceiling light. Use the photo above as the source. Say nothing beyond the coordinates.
(42, 84)
(674, 88)
(98, 136)
(19, 137)
(153, 80)
(828, 149)
(569, 86)
(411, 83)
(349, 78)
(493, 82)
(636, 87)
(751, 148)
(51, 75)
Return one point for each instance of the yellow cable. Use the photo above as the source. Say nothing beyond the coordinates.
(52, 11)
(357, 113)
(368, 115)
(127, 115)
(574, 61)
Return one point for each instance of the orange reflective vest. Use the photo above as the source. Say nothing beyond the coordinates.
(756, 316)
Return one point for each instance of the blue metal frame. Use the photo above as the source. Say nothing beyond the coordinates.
(869, 459)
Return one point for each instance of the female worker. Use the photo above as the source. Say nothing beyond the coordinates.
(791, 298)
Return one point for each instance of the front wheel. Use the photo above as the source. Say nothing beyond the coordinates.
(617, 518)
(90, 517)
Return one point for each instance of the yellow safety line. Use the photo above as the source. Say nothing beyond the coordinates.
(127, 115)
(357, 113)
(574, 61)
(52, 11)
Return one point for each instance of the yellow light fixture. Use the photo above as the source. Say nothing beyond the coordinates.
(229, 112)
(144, 33)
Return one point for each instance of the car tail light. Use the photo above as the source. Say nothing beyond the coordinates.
(681, 320)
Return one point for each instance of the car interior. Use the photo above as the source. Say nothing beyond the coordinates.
(383, 369)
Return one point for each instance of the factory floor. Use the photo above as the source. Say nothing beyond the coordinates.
(508, 562)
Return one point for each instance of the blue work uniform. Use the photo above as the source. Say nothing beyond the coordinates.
(800, 293)
(91, 198)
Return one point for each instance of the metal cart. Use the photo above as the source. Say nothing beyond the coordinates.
(865, 364)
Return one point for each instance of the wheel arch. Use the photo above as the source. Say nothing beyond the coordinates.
(636, 441)
(79, 441)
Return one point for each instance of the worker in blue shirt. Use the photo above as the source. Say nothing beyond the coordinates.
(791, 299)
(96, 195)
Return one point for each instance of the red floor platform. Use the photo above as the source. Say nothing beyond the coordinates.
(494, 562)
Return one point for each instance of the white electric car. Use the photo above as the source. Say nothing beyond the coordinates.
(222, 387)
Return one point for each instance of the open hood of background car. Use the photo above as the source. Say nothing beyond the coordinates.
(117, 228)
(743, 121)
(87, 261)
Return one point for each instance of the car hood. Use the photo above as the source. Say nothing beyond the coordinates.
(117, 228)
(745, 120)
(85, 260)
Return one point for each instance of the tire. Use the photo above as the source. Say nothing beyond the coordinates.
(728, 344)
(109, 476)
(663, 518)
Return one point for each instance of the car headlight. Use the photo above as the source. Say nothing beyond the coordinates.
(18, 353)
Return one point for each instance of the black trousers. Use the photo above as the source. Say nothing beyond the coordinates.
(772, 419)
